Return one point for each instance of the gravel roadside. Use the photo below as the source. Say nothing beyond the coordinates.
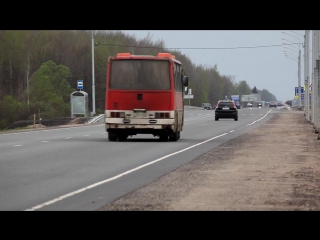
(275, 166)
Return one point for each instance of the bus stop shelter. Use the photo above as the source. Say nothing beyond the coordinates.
(79, 104)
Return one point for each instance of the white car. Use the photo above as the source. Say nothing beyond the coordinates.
(249, 104)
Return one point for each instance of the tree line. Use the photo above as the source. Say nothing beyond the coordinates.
(39, 70)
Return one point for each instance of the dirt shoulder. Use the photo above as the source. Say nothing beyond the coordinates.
(275, 166)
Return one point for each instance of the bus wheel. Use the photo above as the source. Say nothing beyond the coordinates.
(163, 137)
(122, 137)
(112, 137)
(175, 136)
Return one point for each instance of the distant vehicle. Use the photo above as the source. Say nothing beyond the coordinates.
(249, 104)
(236, 99)
(273, 104)
(207, 106)
(289, 103)
(226, 109)
(280, 104)
(259, 105)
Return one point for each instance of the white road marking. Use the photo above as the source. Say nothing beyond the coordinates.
(196, 118)
(44, 141)
(68, 137)
(127, 172)
(117, 176)
(232, 131)
(259, 118)
(18, 145)
(48, 130)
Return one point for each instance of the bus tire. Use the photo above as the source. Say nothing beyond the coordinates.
(112, 137)
(163, 137)
(175, 136)
(122, 137)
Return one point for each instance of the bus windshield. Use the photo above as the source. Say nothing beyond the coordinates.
(140, 75)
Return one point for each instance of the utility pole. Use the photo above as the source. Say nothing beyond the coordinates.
(292, 57)
(28, 83)
(299, 69)
(93, 87)
(299, 79)
(313, 83)
(316, 76)
(306, 75)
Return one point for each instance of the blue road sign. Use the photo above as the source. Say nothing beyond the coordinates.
(296, 90)
(80, 84)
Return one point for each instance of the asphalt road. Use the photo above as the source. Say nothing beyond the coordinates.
(77, 168)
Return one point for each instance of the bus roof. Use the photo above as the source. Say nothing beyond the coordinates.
(127, 55)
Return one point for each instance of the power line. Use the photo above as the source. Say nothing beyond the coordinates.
(203, 48)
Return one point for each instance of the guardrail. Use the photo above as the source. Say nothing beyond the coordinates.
(97, 119)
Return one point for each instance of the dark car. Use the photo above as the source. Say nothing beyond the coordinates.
(273, 104)
(259, 105)
(226, 109)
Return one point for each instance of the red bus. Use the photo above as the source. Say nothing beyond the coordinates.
(144, 95)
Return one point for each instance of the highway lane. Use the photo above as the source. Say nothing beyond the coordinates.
(77, 168)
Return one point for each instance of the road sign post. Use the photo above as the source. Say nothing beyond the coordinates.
(80, 85)
(301, 92)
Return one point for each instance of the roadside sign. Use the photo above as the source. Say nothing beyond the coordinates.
(188, 96)
(296, 90)
(80, 84)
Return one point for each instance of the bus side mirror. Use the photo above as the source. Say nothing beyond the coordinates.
(185, 81)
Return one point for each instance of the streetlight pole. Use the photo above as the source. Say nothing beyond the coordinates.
(299, 73)
(306, 76)
(299, 84)
(93, 87)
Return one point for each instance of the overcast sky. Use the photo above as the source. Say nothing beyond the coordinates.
(264, 67)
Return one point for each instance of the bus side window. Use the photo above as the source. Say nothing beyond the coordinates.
(177, 78)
